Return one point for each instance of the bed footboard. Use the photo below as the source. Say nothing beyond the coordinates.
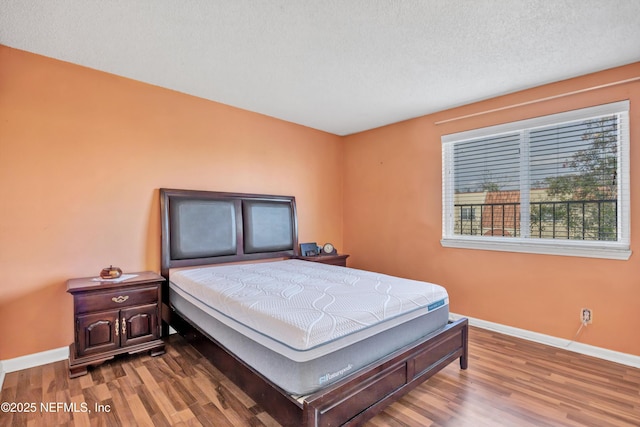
(351, 401)
(366, 393)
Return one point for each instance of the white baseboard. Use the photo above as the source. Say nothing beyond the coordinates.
(31, 360)
(38, 359)
(55, 355)
(589, 350)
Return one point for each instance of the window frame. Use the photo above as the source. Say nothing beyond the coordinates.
(619, 249)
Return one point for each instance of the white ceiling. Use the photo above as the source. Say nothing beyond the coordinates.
(341, 66)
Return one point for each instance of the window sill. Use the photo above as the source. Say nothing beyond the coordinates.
(564, 248)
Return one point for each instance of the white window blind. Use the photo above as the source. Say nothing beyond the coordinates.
(556, 184)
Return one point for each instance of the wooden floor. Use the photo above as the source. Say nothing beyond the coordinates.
(510, 382)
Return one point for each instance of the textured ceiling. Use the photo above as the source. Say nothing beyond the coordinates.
(341, 66)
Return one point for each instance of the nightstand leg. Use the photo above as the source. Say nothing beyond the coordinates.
(77, 372)
(157, 351)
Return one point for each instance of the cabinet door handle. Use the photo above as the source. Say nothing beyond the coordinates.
(124, 327)
(117, 327)
(120, 298)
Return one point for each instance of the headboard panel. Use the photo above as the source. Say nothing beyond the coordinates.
(209, 227)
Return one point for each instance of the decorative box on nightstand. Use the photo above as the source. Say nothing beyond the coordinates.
(340, 260)
(114, 317)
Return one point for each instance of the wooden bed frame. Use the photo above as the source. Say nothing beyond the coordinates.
(350, 401)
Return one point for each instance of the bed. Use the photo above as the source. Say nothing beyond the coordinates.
(289, 332)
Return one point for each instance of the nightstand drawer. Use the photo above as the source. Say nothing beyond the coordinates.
(115, 299)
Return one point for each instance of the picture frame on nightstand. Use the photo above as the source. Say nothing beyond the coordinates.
(309, 249)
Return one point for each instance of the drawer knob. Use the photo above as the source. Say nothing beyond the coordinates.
(120, 298)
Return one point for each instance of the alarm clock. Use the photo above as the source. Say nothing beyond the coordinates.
(329, 249)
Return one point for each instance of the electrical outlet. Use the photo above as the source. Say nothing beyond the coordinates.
(586, 316)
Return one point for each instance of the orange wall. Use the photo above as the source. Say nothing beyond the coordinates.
(393, 224)
(82, 155)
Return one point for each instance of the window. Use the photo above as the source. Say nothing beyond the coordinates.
(467, 213)
(556, 184)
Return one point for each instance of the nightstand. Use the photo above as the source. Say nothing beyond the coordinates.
(112, 318)
(338, 259)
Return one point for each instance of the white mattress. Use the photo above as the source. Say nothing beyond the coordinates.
(304, 310)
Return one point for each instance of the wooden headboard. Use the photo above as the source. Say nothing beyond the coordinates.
(209, 227)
